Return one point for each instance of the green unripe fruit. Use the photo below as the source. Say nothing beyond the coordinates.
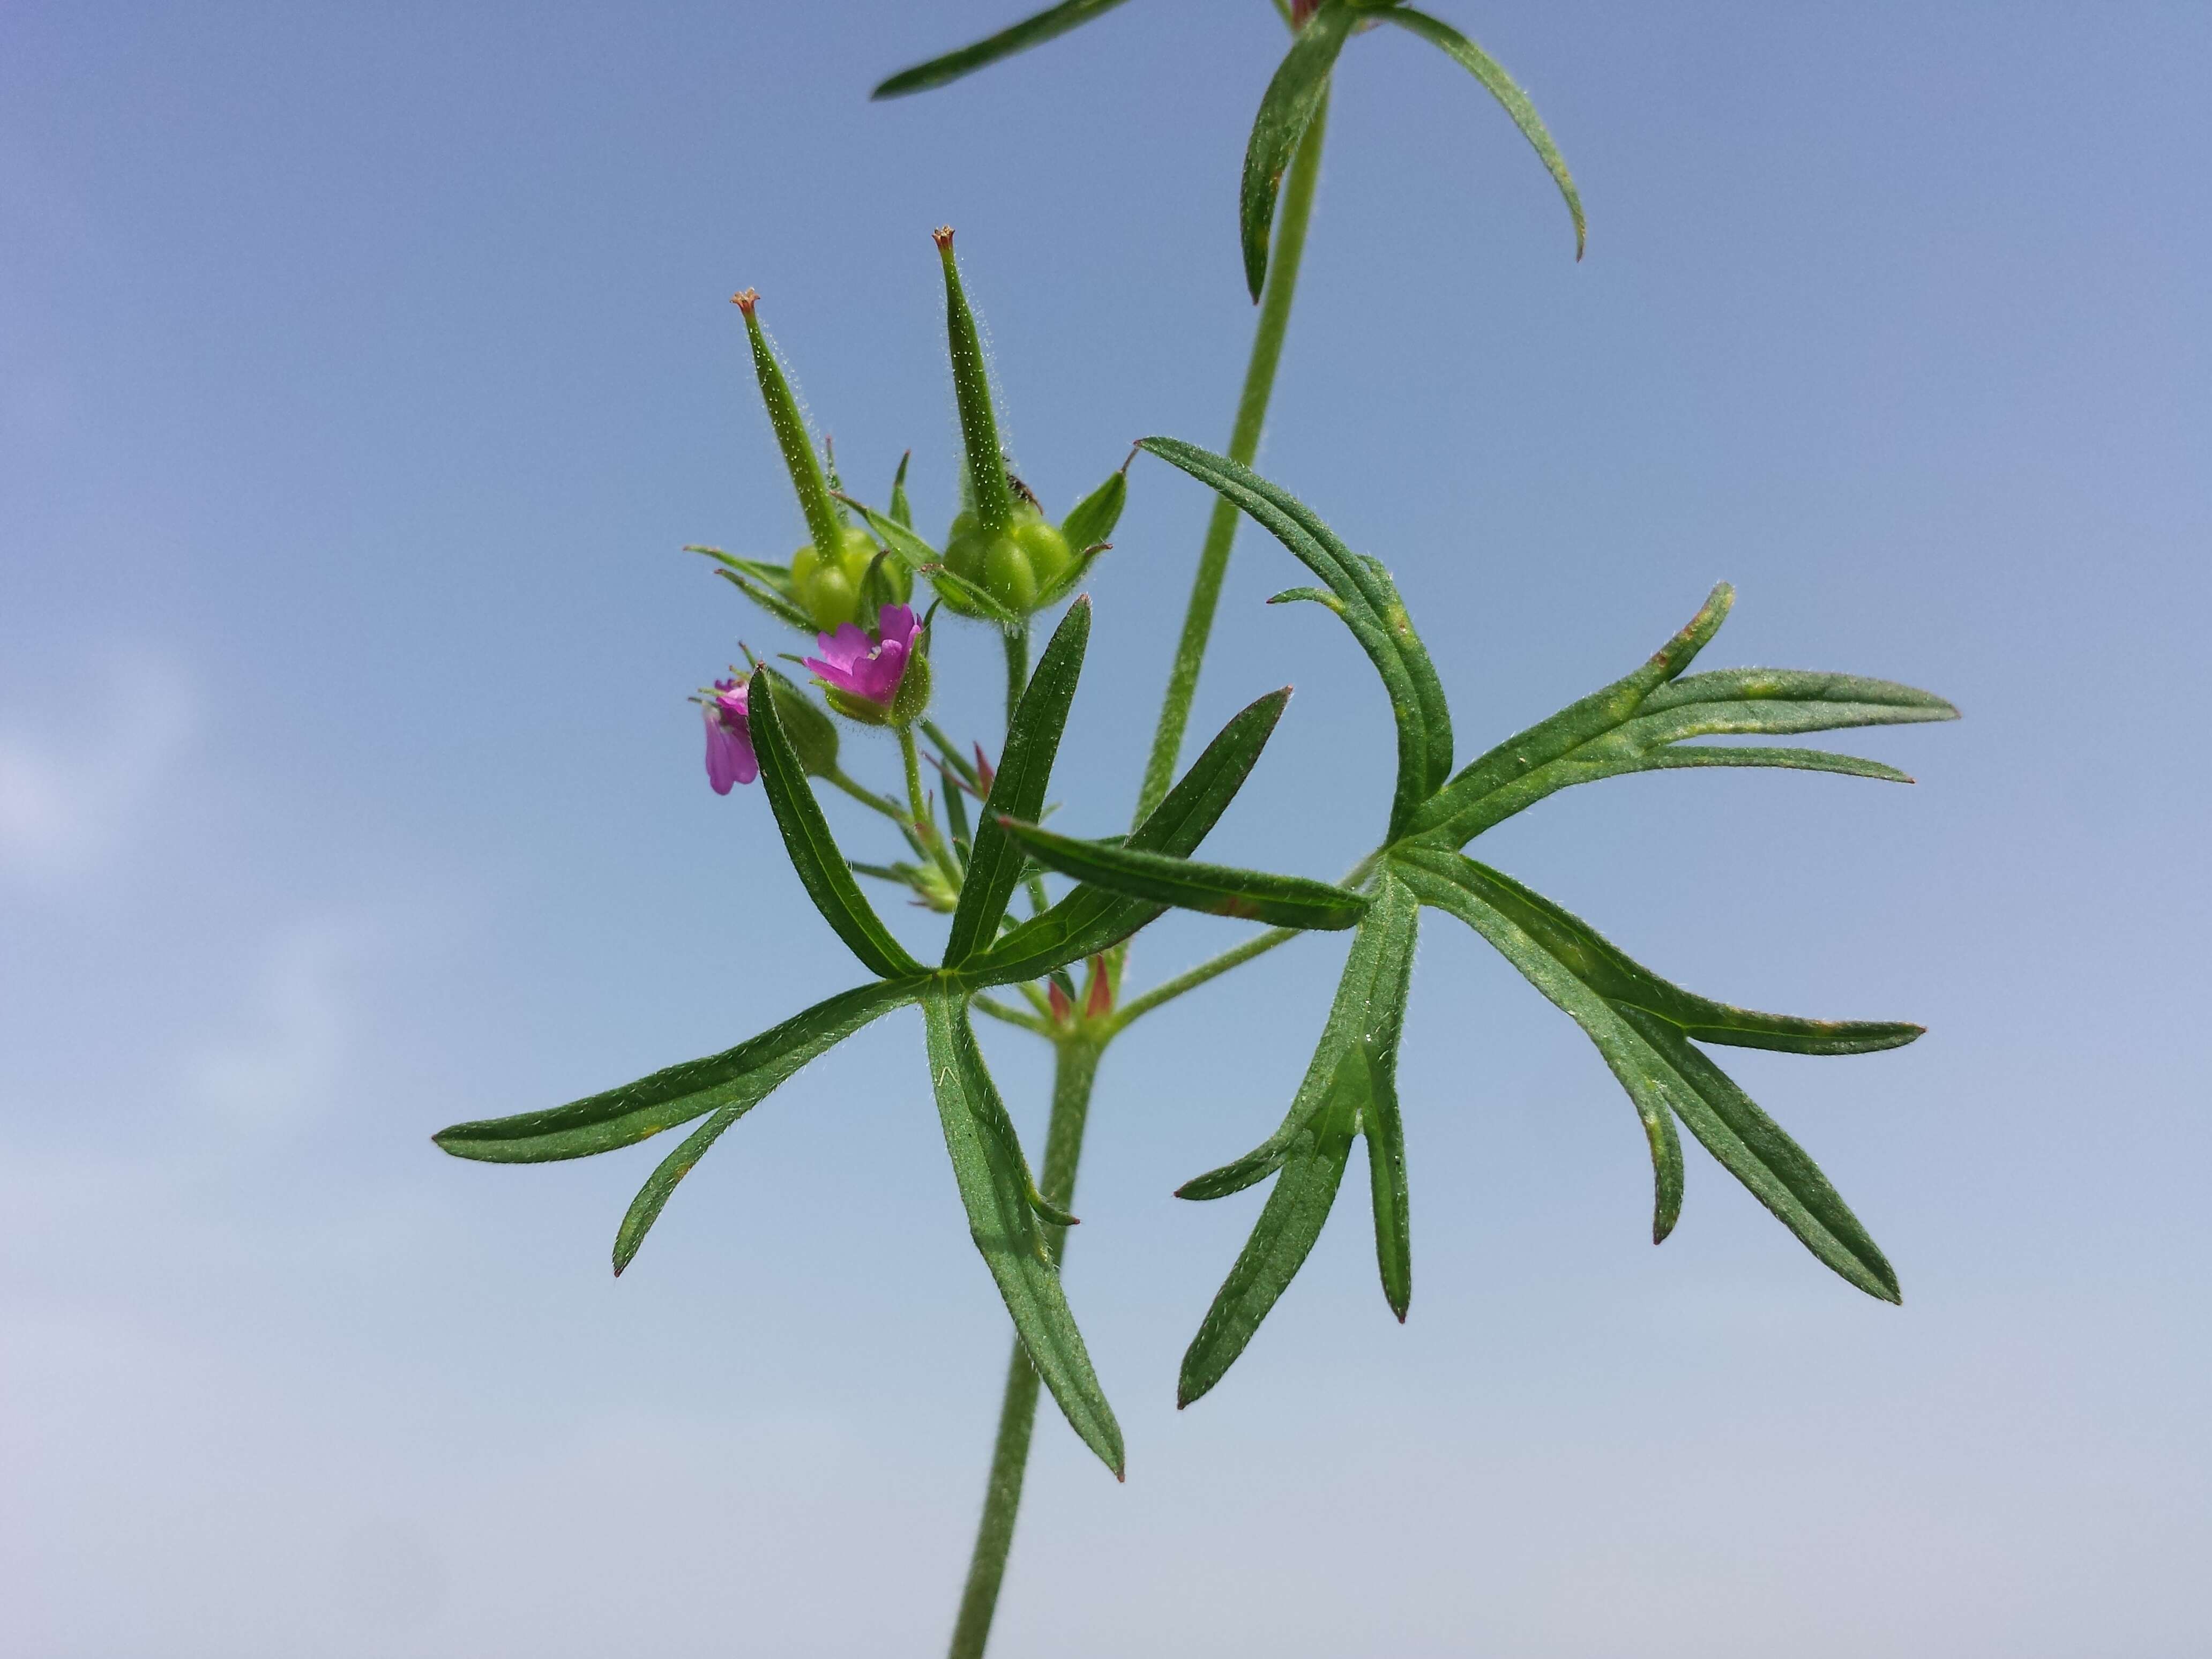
(830, 589)
(832, 598)
(963, 548)
(1007, 576)
(1048, 551)
(1013, 566)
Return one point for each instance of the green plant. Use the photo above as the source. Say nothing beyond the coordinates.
(1003, 562)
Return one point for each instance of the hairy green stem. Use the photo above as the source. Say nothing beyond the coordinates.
(1291, 223)
(1017, 669)
(923, 820)
(1073, 1076)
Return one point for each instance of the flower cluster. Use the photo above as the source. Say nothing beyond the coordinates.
(864, 676)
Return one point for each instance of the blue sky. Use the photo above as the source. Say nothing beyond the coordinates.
(362, 371)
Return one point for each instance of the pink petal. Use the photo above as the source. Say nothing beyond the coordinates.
(847, 647)
(730, 757)
(898, 624)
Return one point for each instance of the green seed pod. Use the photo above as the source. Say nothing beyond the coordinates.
(804, 564)
(832, 598)
(1007, 576)
(831, 590)
(1046, 550)
(963, 548)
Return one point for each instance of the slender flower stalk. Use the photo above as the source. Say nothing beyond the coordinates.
(920, 816)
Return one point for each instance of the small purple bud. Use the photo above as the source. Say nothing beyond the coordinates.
(870, 670)
(729, 758)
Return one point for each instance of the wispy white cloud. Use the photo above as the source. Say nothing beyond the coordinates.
(72, 788)
(286, 1056)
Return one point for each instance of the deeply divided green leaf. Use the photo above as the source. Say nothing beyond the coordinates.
(651, 1198)
(1500, 86)
(739, 1077)
(1092, 919)
(1350, 1088)
(999, 1193)
(1582, 951)
(1753, 1148)
(1308, 1174)
(1371, 608)
(1214, 889)
(1439, 881)
(1647, 1049)
(1632, 725)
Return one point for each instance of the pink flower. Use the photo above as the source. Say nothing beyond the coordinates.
(870, 670)
(730, 757)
